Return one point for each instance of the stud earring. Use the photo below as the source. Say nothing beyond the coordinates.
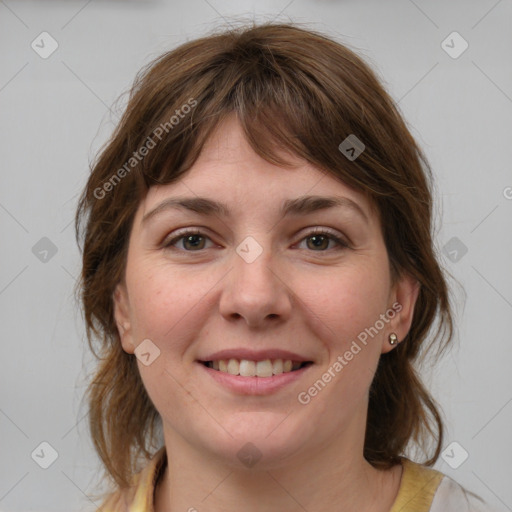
(393, 340)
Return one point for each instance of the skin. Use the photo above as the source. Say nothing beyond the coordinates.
(312, 300)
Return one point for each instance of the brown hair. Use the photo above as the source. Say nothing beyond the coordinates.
(292, 90)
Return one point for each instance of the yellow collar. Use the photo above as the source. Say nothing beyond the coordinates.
(417, 487)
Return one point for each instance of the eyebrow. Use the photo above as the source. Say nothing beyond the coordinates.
(300, 206)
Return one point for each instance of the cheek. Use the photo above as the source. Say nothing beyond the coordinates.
(166, 303)
(348, 305)
(346, 301)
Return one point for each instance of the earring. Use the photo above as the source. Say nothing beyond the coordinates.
(393, 340)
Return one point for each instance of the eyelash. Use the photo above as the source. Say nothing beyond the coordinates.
(316, 232)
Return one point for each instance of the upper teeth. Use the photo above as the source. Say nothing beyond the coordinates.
(246, 368)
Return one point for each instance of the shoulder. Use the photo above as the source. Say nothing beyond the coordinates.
(423, 489)
(451, 495)
(139, 496)
(418, 487)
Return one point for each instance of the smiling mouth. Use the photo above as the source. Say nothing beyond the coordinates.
(247, 368)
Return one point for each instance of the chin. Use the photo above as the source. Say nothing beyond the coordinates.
(260, 440)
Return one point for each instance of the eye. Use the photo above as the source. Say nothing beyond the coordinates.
(192, 238)
(321, 235)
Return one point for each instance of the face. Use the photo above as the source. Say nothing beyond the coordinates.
(299, 302)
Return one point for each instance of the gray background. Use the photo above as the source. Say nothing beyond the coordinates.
(57, 112)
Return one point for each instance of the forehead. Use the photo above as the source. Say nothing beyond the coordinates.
(229, 170)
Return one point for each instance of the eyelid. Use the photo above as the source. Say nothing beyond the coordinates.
(341, 240)
(169, 240)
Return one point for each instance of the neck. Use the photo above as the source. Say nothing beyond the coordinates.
(312, 480)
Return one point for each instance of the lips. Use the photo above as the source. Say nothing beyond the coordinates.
(250, 363)
(248, 368)
(256, 386)
(254, 355)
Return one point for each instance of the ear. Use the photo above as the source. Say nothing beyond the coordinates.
(403, 298)
(122, 318)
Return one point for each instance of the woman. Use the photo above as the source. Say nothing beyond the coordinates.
(259, 267)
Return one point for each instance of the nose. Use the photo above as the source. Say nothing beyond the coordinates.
(256, 291)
